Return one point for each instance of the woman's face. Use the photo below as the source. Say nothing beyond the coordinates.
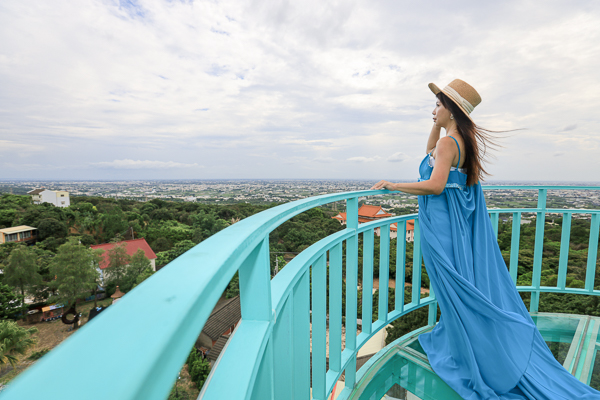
(441, 115)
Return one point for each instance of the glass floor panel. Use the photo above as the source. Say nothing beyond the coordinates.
(572, 339)
(558, 330)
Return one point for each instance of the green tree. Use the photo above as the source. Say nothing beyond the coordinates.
(409, 322)
(118, 259)
(51, 227)
(14, 340)
(138, 270)
(198, 367)
(75, 268)
(21, 269)
(233, 288)
(161, 244)
(165, 257)
(9, 301)
(113, 222)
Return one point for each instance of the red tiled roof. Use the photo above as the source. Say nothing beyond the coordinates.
(130, 245)
(341, 216)
(372, 211)
(367, 212)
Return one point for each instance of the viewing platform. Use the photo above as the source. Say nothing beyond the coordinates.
(279, 350)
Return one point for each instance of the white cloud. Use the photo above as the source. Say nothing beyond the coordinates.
(342, 80)
(143, 164)
(397, 157)
(361, 159)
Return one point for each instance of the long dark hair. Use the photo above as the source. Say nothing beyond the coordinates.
(477, 141)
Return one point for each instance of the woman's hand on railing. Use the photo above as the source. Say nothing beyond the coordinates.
(384, 185)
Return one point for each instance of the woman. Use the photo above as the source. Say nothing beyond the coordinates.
(485, 345)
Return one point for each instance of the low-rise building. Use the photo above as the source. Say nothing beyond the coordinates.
(22, 233)
(59, 198)
(219, 327)
(367, 213)
(131, 246)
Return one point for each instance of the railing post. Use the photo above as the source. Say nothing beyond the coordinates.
(565, 240)
(351, 288)
(367, 287)
(319, 327)
(494, 217)
(255, 284)
(514, 246)
(335, 307)
(416, 273)
(400, 265)
(301, 339)
(384, 271)
(255, 301)
(590, 273)
(540, 222)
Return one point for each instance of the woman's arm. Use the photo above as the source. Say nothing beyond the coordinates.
(434, 136)
(419, 188)
(446, 152)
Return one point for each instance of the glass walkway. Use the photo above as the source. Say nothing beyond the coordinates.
(573, 340)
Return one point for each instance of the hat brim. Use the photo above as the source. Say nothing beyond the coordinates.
(435, 89)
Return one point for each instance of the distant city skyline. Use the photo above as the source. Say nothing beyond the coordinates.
(154, 89)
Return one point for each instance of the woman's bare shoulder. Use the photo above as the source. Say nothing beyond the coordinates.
(445, 144)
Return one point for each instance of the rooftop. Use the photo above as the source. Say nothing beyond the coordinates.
(17, 229)
(131, 246)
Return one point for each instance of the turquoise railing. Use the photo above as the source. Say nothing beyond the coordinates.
(135, 349)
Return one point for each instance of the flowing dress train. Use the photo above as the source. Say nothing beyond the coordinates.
(485, 345)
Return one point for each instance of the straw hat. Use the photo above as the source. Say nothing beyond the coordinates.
(461, 93)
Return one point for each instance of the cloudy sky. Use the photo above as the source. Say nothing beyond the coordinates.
(106, 89)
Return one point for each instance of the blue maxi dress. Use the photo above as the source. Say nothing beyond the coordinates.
(485, 345)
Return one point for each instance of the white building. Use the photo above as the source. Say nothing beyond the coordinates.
(59, 198)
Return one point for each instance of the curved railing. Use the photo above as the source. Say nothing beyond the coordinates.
(135, 349)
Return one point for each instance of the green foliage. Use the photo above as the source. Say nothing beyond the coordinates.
(303, 230)
(118, 259)
(198, 368)
(51, 227)
(161, 244)
(21, 269)
(75, 267)
(14, 341)
(7, 217)
(206, 225)
(165, 257)
(113, 222)
(409, 322)
(178, 393)
(10, 303)
(171, 231)
(84, 207)
(138, 270)
(36, 355)
(233, 288)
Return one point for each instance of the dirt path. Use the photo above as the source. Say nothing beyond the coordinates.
(392, 284)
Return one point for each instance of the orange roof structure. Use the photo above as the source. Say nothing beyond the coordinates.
(118, 294)
(372, 212)
(131, 246)
(366, 213)
(410, 225)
